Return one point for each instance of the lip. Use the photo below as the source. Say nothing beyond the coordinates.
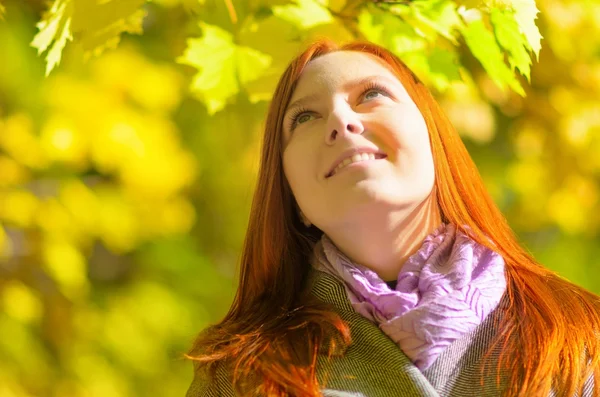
(351, 152)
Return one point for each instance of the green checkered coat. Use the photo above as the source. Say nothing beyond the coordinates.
(374, 366)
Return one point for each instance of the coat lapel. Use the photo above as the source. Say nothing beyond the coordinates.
(373, 364)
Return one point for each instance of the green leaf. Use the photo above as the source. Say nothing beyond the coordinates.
(303, 13)
(54, 31)
(443, 68)
(2, 11)
(439, 15)
(281, 38)
(275, 37)
(94, 24)
(525, 15)
(98, 25)
(251, 64)
(261, 4)
(190, 6)
(437, 67)
(484, 47)
(223, 66)
(510, 38)
(390, 31)
(335, 30)
(433, 64)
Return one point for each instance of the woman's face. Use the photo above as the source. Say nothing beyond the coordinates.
(354, 141)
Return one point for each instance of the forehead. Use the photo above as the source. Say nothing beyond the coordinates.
(332, 70)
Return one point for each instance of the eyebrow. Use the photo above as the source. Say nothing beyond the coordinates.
(314, 96)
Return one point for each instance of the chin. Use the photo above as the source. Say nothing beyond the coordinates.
(377, 189)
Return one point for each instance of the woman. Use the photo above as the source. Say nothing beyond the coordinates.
(376, 263)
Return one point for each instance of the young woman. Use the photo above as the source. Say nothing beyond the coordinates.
(376, 263)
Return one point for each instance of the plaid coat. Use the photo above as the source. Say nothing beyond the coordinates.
(374, 366)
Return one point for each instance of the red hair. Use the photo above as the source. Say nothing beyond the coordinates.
(271, 336)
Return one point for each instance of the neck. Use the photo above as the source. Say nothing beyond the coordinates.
(383, 240)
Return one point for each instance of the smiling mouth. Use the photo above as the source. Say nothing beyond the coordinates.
(357, 158)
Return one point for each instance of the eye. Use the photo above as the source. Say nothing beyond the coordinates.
(300, 116)
(303, 117)
(375, 90)
(372, 94)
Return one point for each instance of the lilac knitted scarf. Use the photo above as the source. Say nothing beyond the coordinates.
(444, 291)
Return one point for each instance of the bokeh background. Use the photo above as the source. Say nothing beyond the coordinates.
(124, 194)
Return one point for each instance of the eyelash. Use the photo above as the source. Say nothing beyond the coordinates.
(370, 87)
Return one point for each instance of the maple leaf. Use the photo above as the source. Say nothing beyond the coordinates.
(440, 15)
(484, 47)
(94, 25)
(303, 13)
(54, 32)
(525, 15)
(512, 40)
(223, 66)
(98, 25)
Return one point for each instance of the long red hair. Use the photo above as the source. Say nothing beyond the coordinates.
(271, 336)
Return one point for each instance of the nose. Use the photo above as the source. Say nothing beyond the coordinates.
(342, 120)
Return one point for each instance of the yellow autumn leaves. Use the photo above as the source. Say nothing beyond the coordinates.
(117, 124)
(125, 181)
(96, 25)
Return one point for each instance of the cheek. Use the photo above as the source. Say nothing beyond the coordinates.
(408, 131)
(298, 166)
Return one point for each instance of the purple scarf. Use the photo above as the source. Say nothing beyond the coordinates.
(445, 290)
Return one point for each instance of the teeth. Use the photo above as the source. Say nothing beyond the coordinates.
(354, 159)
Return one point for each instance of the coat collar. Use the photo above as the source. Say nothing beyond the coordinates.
(370, 346)
(441, 376)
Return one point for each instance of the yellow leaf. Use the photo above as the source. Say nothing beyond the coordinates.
(18, 139)
(82, 205)
(336, 5)
(11, 172)
(96, 25)
(19, 207)
(54, 31)
(117, 224)
(61, 142)
(273, 36)
(525, 15)
(191, 6)
(21, 303)
(570, 206)
(67, 266)
(258, 4)
(54, 55)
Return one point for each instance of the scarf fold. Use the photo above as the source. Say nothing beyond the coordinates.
(444, 291)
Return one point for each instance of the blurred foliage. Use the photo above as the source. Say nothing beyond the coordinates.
(126, 171)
